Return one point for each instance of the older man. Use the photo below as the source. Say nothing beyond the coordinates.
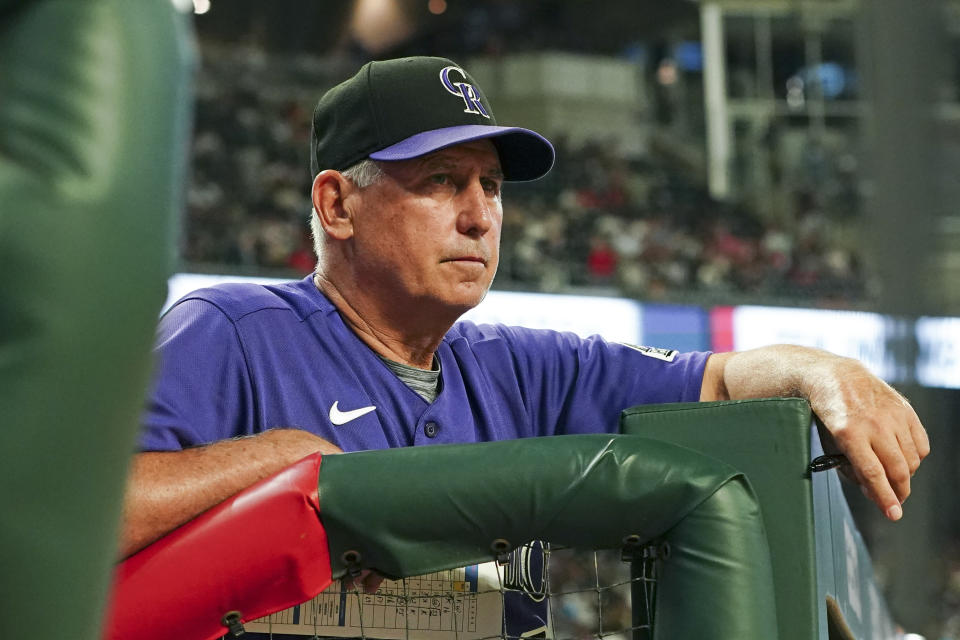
(367, 353)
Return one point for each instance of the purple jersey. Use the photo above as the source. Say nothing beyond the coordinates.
(238, 359)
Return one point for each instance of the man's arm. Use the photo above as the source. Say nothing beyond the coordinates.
(166, 489)
(873, 425)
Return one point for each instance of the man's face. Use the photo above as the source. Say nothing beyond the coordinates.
(428, 233)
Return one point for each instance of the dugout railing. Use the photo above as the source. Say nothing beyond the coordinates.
(823, 576)
(713, 500)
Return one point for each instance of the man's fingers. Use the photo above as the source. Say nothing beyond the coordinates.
(872, 476)
(355, 582)
(909, 451)
(895, 466)
(372, 582)
(368, 581)
(920, 439)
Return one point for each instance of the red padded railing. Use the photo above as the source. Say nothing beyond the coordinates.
(234, 557)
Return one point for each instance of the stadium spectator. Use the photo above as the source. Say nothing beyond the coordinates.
(601, 261)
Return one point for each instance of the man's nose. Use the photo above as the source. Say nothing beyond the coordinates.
(475, 215)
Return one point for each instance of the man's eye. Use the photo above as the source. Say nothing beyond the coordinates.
(440, 178)
(491, 186)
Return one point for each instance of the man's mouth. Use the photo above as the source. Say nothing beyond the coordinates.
(476, 259)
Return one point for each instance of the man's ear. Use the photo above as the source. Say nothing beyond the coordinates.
(329, 191)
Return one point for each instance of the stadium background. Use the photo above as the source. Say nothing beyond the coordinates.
(785, 154)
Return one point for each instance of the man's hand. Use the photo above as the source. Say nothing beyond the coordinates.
(367, 582)
(871, 424)
(875, 427)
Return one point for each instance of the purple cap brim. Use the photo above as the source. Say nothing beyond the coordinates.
(524, 154)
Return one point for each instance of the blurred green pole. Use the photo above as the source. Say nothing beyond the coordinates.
(94, 117)
(901, 53)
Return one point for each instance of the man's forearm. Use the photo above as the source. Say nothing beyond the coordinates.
(774, 371)
(166, 489)
(837, 387)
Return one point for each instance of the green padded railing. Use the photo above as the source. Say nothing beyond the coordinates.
(424, 509)
(812, 539)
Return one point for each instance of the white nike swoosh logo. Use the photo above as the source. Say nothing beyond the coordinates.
(338, 417)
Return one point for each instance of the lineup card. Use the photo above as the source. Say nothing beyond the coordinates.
(464, 601)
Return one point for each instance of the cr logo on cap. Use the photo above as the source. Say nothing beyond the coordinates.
(463, 89)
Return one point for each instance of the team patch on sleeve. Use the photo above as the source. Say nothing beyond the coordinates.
(667, 355)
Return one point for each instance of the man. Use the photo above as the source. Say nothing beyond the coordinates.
(367, 353)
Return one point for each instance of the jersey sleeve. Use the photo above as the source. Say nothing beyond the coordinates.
(201, 391)
(580, 385)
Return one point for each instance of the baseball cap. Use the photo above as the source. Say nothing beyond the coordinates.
(408, 107)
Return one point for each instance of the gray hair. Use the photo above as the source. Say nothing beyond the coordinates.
(363, 174)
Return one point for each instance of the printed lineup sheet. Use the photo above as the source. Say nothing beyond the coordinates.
(463, 603)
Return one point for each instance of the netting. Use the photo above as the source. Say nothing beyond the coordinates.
(605, 594)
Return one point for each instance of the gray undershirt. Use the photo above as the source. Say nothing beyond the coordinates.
(425, 384)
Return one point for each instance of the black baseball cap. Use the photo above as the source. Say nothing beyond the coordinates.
(408, 107)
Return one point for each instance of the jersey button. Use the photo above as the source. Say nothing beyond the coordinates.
(431, 429)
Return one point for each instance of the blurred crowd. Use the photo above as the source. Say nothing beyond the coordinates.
(591, 594)
(600, 221)
(650, 231)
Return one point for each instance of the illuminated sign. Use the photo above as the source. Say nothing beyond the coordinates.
(613, 318)
(848, 333)
(938, 360)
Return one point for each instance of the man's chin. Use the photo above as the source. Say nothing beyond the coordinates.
(462, 299)
(473, 295)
